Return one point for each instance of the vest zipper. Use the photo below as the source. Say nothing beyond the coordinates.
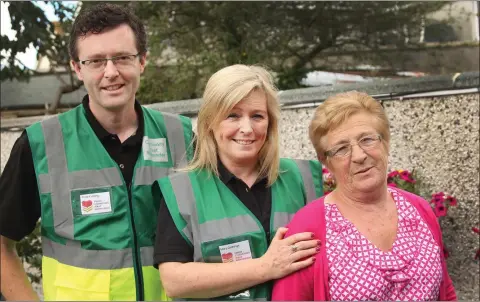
(137, 265)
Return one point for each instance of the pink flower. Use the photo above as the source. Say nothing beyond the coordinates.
(393, 174)
(392, 184)
(476, 230)
(440, 210)
(407, 176)
(452, 200)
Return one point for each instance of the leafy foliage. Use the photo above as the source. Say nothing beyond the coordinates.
(49, 39)
(29, 250)
(34, 29)
(191, 40)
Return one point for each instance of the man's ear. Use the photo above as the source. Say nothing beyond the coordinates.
(143, 62)
(76, 67)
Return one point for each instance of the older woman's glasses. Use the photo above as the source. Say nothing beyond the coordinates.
(366, 143)
(101, 63)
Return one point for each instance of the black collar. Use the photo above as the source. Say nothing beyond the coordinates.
(226, 176)
(97, 127)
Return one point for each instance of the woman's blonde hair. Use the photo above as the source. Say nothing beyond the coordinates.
(226, 88)
(337, 109)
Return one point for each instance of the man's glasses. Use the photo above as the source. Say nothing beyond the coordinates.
(101, 63)
(343, 150)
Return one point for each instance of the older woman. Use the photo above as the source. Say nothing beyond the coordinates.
(380, 243)
(216, 234)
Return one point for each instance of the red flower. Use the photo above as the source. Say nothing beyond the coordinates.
(393, 174)
(407, 176)
(392, 184)
(476, 230)
(440, 210)
(325, 170)
(436, 201)
(477, 255)
(452, 200)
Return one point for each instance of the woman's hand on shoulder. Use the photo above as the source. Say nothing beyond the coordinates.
(287, 255)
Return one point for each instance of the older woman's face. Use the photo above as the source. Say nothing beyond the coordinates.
(241, 135)
(362, 170)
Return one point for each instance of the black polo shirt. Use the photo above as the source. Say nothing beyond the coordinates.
(19, 197)
(170, 246)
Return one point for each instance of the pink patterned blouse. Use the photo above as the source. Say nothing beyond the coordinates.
(410, 271)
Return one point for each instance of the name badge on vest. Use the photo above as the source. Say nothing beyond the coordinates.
(155, 149)
(235, 251)
(95, 203)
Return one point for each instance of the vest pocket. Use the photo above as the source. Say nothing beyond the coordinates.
(74, 283)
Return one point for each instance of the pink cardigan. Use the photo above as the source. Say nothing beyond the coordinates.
(311, 283)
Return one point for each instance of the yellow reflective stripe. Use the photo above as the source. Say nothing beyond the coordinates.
(281, 219)
(304, 167)
(94, 259)
(147, 175)
(84, 179)
(63, 282)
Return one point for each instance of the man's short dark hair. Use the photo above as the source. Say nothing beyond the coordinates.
(103, 16)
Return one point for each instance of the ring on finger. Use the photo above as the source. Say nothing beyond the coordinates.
(294, 248)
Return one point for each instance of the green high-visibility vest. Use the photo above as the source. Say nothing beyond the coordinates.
(98, 238)
(220, 228)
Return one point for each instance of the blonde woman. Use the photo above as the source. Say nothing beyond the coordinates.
(220, 227)
(380, 243)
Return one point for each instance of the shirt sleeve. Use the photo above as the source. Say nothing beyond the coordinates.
(170, 246)
(19, 197)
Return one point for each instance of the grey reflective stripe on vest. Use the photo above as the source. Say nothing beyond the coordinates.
(209, 230)
(176, 142)
(182, 188)
(304, 166)
(58, 177)
(83, 179)
(94, 259)
(222, 228)
(281, 219)
(147, 175)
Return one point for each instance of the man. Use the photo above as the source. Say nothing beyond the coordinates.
(88, 174)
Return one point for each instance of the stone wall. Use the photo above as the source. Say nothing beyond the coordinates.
(439, 138)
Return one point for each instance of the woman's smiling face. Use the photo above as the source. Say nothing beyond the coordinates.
(241, 135)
